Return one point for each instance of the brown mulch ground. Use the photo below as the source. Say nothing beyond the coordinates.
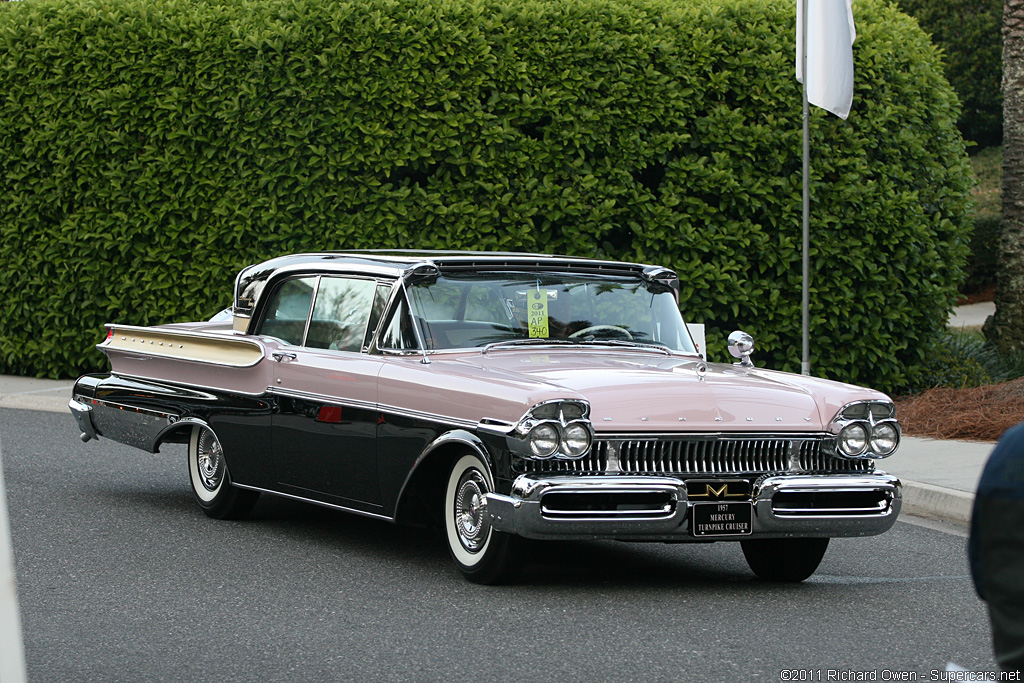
(987, 294)
(977, 414)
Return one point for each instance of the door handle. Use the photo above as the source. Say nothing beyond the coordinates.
(282, 357)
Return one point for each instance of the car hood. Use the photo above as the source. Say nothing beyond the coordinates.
(632, 391)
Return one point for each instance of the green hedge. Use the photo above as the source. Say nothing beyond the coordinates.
(150, 148)
(969, 32)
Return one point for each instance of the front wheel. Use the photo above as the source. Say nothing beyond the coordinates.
(211, 483)
(482, 554)
(784, 559)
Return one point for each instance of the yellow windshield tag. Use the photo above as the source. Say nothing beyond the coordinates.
(537, 305)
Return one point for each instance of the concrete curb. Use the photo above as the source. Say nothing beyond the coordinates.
(48, 404)
(51, 399)
(937, 502)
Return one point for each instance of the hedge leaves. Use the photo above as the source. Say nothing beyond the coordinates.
(149, 149)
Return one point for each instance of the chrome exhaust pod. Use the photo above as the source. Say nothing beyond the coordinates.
(866, 430)
(741, 345)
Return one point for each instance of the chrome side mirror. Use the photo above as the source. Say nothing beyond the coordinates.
(741, 345)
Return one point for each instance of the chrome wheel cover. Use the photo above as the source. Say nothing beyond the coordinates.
(471, 521)
(210, 461)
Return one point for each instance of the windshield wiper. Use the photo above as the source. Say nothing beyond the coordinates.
(535, 341)
(627, 344)
(577, 342)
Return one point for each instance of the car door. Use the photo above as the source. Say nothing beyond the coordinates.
(325, 388)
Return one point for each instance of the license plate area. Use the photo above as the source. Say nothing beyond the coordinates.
(721, 519)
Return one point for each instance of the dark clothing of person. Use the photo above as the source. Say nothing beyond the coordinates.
(996, 547)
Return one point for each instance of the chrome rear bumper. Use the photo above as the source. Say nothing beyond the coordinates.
(83, 416)
(658, 508)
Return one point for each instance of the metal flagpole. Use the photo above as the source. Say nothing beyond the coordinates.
(805, 359)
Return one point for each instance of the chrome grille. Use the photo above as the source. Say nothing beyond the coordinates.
(695, 454)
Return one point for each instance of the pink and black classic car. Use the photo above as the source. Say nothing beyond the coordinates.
(505, 398)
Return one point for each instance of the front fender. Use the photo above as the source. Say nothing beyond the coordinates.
(426, 477)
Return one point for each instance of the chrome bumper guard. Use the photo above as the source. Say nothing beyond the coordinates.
(657, 508)
(83, 416)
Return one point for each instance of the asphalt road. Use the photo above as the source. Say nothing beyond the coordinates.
(122, 578)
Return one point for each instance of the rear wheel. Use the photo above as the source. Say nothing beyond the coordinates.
(211, 482)
(784, 559)
(482, 554)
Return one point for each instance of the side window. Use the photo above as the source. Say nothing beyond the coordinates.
(380, 300)
(340, 314)
(288, 310)
(398, 333)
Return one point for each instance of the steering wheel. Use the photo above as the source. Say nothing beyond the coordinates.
(598, 328)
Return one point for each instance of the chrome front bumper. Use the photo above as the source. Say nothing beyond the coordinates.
(653, 508)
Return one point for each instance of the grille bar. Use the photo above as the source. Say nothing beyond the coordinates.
(703, 455)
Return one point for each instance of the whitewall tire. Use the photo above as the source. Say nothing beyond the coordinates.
(211, 482)
(482, 554)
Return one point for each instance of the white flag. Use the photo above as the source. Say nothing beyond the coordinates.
(830, 36)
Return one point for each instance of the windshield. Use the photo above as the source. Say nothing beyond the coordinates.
(473, 310)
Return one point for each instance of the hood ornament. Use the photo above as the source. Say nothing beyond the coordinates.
(702, 370)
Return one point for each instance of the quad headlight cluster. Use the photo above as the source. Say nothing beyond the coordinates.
(866, 429)
(555, 429)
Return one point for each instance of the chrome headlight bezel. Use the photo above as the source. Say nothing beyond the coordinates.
(543, 440)
(881, 429)
(852, 440)
(570, 421)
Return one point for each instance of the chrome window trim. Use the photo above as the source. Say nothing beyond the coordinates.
(390, 311)
(312, 307)
(371, 345)
(415, 322)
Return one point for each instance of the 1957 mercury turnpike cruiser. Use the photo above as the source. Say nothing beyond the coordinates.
(506, 397)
